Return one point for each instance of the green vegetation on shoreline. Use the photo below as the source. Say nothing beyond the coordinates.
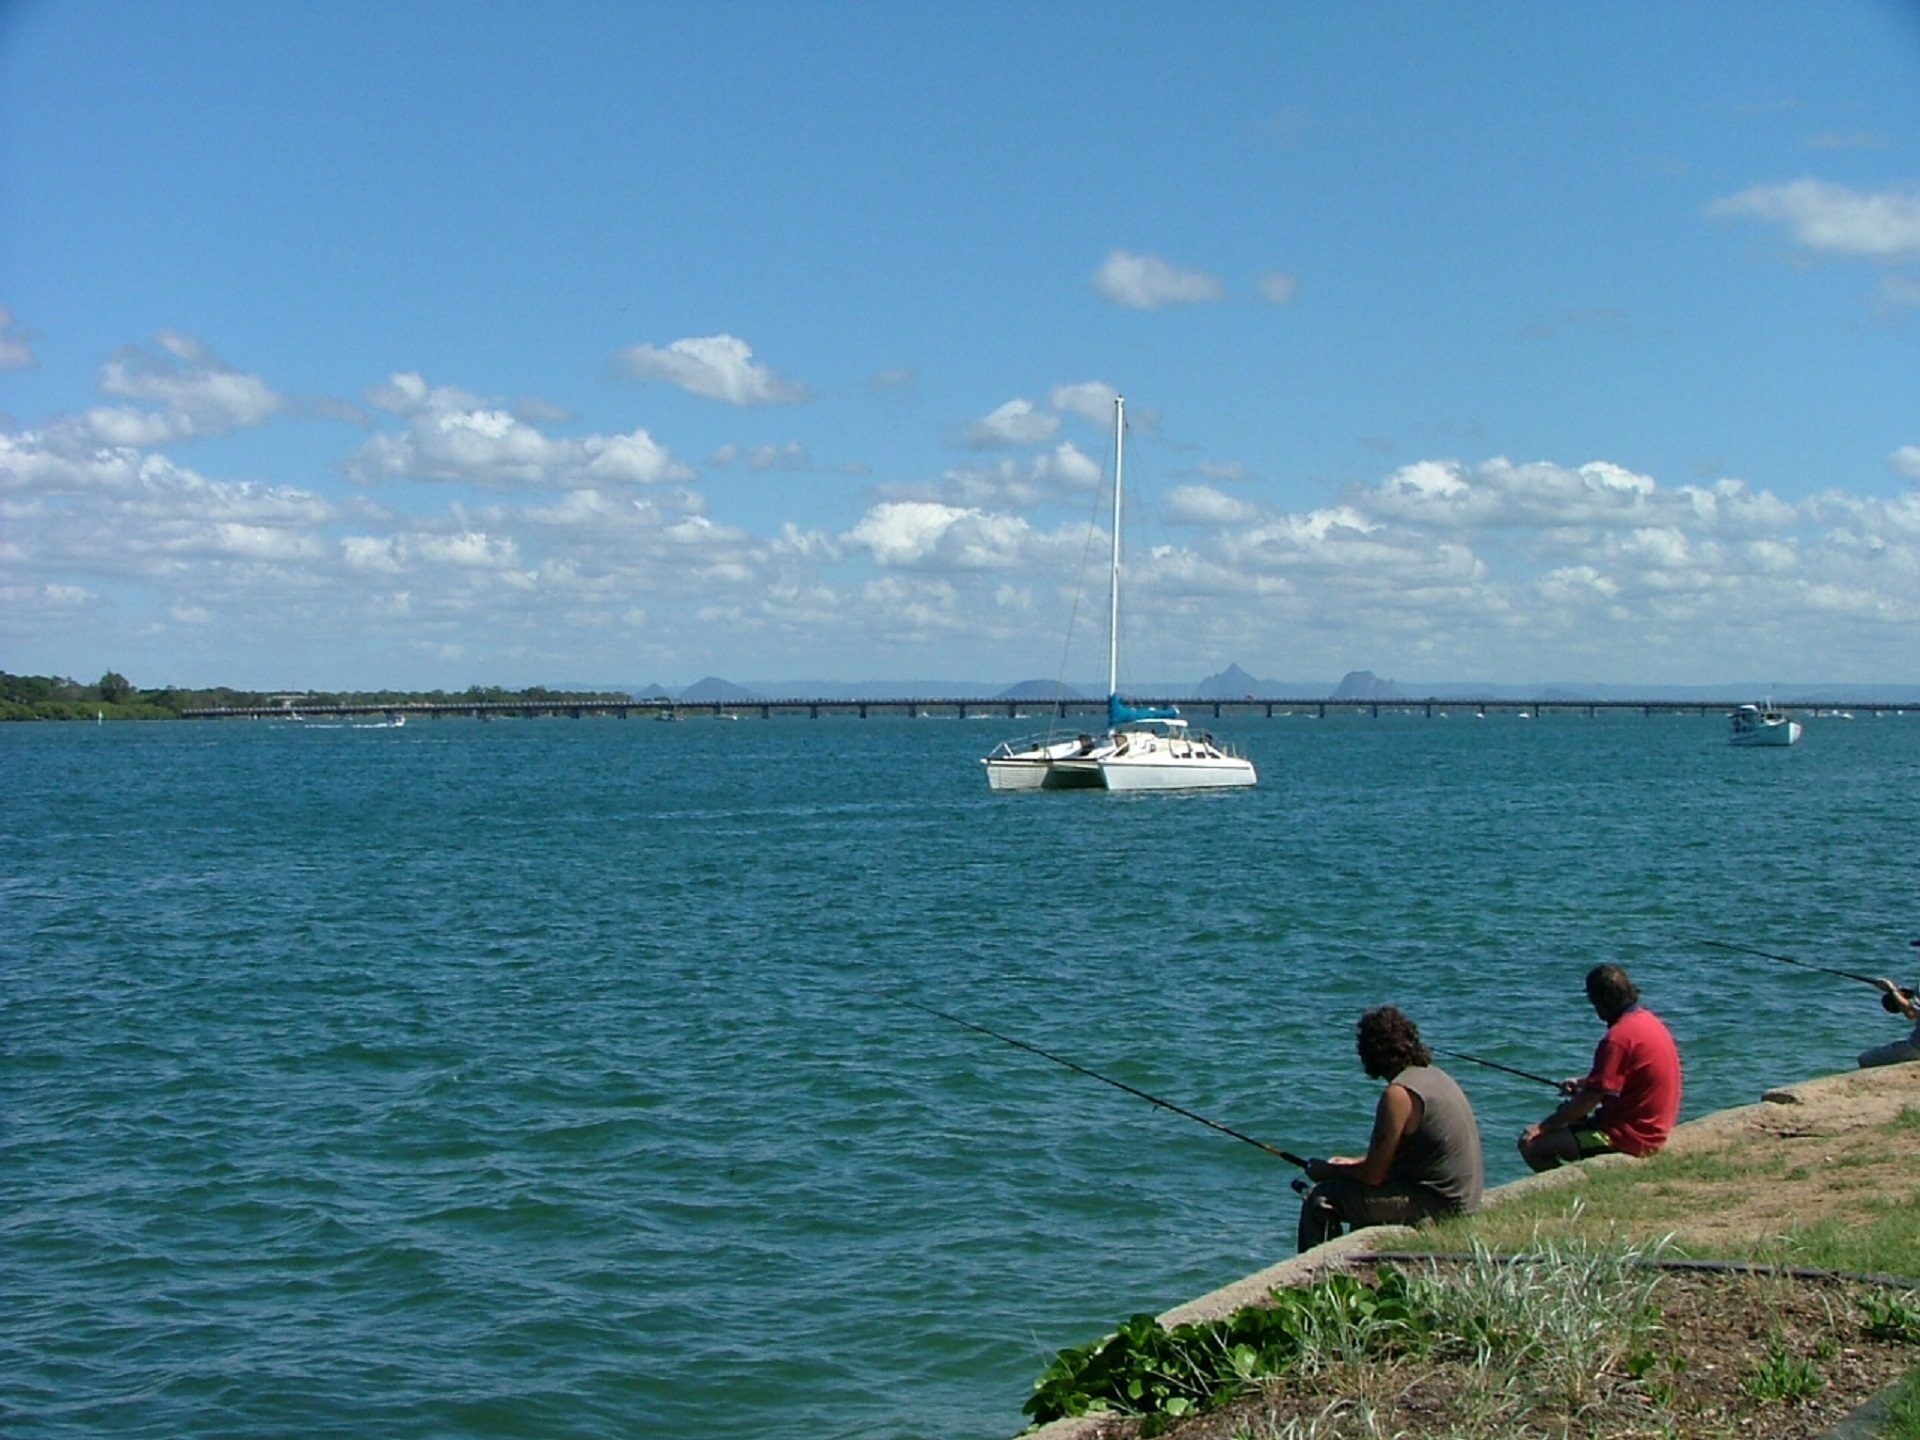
(114, 697)
(1821, 1184)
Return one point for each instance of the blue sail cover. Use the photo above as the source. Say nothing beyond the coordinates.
(1119, 712)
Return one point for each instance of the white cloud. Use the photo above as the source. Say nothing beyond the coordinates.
(1906, 461)
(201, 394)
(1203, 505)
(1091, 400)
(635, 458)
(1499, 492)
(1146, 282)
(1017, 422)
(453, 435)
(720, 367)
(472, 549)
(922, 534)
(1278, 286)
(1063, 471)
(1821, 216)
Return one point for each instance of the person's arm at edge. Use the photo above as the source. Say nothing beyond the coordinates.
(1392, 1118)
(1907, 1001)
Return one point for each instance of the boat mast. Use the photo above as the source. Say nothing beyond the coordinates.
(1113, 598)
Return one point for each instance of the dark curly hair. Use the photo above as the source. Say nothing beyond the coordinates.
(1389, 1042)
(1611, 992)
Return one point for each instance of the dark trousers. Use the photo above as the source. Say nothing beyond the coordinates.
(1344, 1203)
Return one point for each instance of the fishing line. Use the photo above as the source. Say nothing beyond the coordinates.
(1496, 1065)
(1286, 1155)
(1808, 965)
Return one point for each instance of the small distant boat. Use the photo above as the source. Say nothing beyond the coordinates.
(1755, 725)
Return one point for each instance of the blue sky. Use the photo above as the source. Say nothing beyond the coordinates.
(433, 344)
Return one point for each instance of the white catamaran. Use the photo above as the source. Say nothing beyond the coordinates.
(1141, 749)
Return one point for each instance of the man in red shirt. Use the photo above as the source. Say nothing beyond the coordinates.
(1629, 1101)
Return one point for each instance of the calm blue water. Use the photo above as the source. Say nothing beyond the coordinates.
(544, 1078)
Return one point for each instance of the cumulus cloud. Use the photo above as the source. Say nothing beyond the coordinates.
(199, 393)
(453, 435)
(1833, 219)
(720, 367)
(1018, 422)
(1499, 492)
(1009, 484)
(1091, 400)
(923, 534)
(1147, 282)
(1906, 461)
(1203, 505)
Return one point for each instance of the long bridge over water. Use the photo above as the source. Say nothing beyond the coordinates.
(1059, 709)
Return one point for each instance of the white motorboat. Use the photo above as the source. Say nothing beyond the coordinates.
(1757, 725)
(1141, 749)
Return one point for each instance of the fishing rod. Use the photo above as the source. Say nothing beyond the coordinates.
(1496, 1065)
(1809, 965)
(1286, 1155)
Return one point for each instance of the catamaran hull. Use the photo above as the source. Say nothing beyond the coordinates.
(1041, 766)
(1162, 774)
(1037, 775)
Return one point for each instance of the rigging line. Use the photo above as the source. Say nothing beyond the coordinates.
(1286, 1155)
(1073, 612)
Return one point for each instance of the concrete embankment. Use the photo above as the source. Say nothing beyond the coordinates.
(1809, 1117)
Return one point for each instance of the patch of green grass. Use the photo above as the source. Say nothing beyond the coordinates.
(1783, 1376)
(1903, 1415)
(1640, 1202)
(1884, 1241)
(1892, 1316)
(1550, 1331)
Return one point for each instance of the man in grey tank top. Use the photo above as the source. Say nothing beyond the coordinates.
(1423, 1159)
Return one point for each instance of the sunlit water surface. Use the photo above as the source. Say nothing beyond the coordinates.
(550, 1078)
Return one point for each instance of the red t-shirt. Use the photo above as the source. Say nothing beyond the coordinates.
(1637, 1069)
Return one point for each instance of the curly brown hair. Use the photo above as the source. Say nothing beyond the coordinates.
(1389, 1042)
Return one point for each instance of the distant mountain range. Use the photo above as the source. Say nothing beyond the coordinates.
(1234, 683)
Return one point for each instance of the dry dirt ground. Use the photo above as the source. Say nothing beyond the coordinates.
(1826, 1152)
(1816, 1151)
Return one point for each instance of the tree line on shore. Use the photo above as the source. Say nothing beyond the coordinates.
(114, 697)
